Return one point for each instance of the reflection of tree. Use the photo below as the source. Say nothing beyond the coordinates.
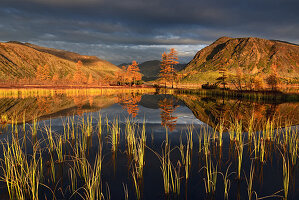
(167, 108)
(78, 101)
(129, 102)
(43, 104)
(213, 110)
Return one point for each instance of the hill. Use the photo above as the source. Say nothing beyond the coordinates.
(20, 60)
(255, 56)
(150, 69)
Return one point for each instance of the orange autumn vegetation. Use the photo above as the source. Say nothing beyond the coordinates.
(167, 108)
(167, 72)
(129, 75)
(44, 75)
(129, 102)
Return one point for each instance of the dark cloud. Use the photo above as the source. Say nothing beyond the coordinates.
(119, 30)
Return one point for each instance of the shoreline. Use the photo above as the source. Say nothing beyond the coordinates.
(70, 87)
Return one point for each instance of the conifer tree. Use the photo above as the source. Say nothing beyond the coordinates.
(273, 79)
(165, 68)
(133, 71)
(55, 78)
(79, 76)
(173, 60)
(90, 80)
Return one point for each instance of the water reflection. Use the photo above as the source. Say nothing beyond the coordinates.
(167, 110)
(129, 102)
(212, 111)
(167, 107)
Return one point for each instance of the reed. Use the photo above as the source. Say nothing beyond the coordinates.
(50, 139)
(89, 125)
(240, 147)
(286, 175)
(73, 179)
(91, 175)
(52, 166)
(34, 174)
(166, 167)
(138, 157)
(170, 174)
(136, 182)
(130, 137)
(59, 149)
(126, 191)
(15, 178)
(186, 155)
(24, 123)
(114, 130)
(21, 173)
(35, 126)
(293, 145)
(251, 128)
(220, 133)
(206, 144)
(226, 182)
(100, 126)
(199, 143)
(250, 182)
(211, 177)
(262, 148)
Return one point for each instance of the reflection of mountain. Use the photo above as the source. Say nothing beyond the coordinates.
(52, 106)
(211, 111)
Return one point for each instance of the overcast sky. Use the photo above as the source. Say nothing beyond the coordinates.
(122, 30)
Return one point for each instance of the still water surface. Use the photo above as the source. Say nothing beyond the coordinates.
(158, 112)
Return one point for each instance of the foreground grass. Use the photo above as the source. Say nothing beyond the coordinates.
(30, 165)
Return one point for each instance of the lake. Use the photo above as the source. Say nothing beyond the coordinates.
(141, 144)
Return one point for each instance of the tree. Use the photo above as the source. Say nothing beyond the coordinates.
(68, 78)
(165, 68)
(258, 83)
(55, 78)
(39, 73)
(250, 82)
(90, 80)
(121, 76)
(273, 79)
(133, 71)
(222, 79)
(79, 76)
(173, 60)
(42, 73)
(239, 78)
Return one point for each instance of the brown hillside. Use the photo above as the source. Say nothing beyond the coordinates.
(19, 60)
(254, 55)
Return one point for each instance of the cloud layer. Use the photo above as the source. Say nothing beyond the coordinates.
(120, 31)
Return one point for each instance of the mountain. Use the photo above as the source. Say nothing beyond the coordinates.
(254, 56)
(150, 69)
(20, 60)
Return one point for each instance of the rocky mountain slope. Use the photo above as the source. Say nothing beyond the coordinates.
(255, 56)
(20, 60)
